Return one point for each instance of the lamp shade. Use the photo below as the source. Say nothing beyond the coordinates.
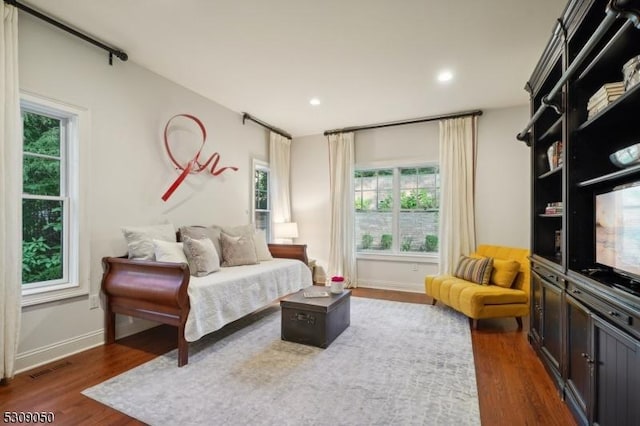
(285, 230)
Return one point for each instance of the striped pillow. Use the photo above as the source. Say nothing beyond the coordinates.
(474, 270)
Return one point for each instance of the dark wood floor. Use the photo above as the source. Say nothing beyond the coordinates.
(513, 387)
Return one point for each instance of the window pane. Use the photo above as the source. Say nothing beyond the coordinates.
(374, 230)
(262, 189)
(41, 176)
(41, 134)
(385, 200)
(42, 240)
(385, 182)
(412, 210)
(418, 231)
(262, 222)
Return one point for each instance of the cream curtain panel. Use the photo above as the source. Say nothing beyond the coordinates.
(280, 165)
(10, 187)
(342, 251)
(458, 140)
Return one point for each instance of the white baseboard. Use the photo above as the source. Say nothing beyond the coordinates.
(391, 285)
(55, 351)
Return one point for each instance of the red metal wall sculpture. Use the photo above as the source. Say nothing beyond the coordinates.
(194, 165)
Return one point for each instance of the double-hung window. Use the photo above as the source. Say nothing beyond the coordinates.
(53, 261)
(261, 197)
(396, 209)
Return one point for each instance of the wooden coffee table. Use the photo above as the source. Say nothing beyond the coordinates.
(315, 321)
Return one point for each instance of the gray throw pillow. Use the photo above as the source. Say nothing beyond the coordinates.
(200, 232)
(202, 256)
(238, 250)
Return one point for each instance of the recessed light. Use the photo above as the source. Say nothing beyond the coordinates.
(445, 76)
(314, 101)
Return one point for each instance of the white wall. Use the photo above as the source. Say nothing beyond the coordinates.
(502, 191)
(129, 169)
(503, 196)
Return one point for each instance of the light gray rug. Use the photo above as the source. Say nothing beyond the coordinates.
(398, 363)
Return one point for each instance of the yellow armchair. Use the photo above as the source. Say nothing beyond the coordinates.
(486, 301)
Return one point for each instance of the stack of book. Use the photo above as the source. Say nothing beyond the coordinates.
(554, 208)
(554, 155)
(603, 97)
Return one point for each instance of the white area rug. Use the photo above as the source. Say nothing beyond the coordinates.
(397, 364)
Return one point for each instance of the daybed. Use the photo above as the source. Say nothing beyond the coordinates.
(167, 293)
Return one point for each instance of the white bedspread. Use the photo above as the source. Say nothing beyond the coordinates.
(234, 292)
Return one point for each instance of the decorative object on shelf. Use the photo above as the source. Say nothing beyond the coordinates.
(337, 284)
(554, 208)
(603, 97)
(631, 72)
(558, 243)
(193, 166)
(554, 155)
(626, 156)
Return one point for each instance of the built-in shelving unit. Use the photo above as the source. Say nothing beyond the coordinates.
(585, 317)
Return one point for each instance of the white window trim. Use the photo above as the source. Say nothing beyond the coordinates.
(255, 165)
(79, 141)
(395, 255)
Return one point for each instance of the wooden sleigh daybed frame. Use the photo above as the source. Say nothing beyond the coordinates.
(157, 291)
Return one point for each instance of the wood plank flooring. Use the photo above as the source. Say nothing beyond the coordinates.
(513, 387)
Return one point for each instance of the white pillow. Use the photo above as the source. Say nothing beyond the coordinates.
(262, 249)
(202, 256)
(140, 239)
(169, 252)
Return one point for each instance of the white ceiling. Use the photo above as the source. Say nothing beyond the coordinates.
(368, 61)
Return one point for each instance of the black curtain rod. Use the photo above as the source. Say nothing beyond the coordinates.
(403, 122)
(246, 116)
(112, 52)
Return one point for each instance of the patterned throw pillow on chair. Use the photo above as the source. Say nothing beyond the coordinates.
(474, 270)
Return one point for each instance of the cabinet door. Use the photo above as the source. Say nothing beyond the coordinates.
(579, 367)
(549, 321)
(536, 309)
(617, 381)
(552, 323)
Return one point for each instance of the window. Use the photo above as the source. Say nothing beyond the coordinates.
(261, 199)
(53, 262)
(397, 209)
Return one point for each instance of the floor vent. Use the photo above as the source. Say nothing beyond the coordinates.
(51, 369)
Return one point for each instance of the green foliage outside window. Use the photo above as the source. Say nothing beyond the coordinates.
(431, 243)
(41, 218)
(367, 241)
(385, 241)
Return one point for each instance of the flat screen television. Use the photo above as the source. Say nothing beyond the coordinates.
(617, 229)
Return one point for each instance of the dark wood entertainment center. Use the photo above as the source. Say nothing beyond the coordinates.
(585, 317)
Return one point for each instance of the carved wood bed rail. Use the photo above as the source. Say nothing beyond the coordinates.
(157, 291)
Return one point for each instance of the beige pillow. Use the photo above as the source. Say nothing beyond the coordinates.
(237, 231)
(169, 252)
(200, 232)
(238, 250)
(202, 256)
(262, 248)
(140, 239)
